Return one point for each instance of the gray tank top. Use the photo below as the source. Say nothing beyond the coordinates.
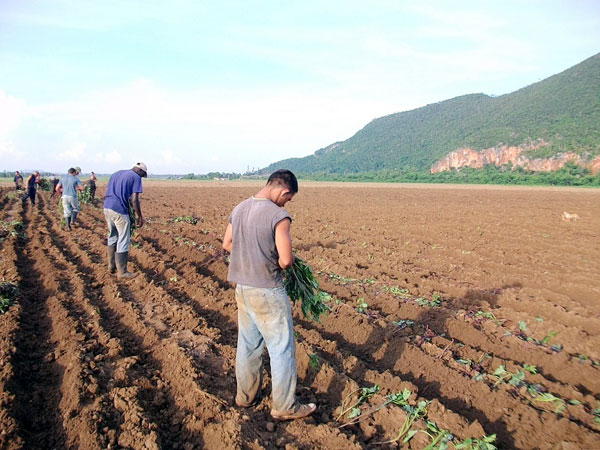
(254, 258)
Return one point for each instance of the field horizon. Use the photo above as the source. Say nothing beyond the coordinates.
(474, 305)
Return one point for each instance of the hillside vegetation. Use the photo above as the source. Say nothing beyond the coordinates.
(563, 111)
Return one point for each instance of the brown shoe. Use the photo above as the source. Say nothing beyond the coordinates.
(300, 411)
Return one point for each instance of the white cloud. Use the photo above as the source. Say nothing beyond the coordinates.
(112, 157)
(164, 161)
(272, 87)
(12, 112)
(73, 153)
(240, 127)
(7, 149)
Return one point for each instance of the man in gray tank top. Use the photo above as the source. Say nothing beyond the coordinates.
(258, 238)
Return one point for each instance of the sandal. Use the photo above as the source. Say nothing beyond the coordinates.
(301, 410)
(244, 404)
(254, 402)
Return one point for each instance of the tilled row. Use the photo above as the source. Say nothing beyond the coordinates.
(103, 379)
(325, 395)
(220, 354)
(550, 363)
(567, 330)
(576, 355)
(183, 304)
(10, 247)
(497, 409)
(37, 377)
(155, 370)
(479, 329)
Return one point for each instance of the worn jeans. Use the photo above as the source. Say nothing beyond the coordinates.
(265, 317)
(118, 229)
(70, 205)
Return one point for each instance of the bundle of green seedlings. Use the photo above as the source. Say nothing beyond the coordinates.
(44, 184)
(300, 284)
(61, 211)
(12, 228)
(187, 219)
(8, 293)
(132, 219)
(85, 196)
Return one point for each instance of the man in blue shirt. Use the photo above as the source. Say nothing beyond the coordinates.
(68, 187)
(121, 186)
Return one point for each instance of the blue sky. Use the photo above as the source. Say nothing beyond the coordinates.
(192, 86)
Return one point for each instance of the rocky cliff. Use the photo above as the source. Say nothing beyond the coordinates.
(503, 155)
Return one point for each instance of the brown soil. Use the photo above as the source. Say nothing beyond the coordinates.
(457, 282)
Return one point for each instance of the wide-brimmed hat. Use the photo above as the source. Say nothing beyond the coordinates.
(142, 166)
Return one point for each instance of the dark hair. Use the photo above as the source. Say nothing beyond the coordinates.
(71, 170)
(284, 177)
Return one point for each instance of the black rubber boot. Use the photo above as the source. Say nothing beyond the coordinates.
(110, 253)
(121, 260)
(68, 221)
(73, 217)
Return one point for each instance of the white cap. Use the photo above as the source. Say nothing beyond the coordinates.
(142, 166)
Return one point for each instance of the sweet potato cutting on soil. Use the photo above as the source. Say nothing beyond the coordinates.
(435, 317)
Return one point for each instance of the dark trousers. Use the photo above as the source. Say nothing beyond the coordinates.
(31, 194)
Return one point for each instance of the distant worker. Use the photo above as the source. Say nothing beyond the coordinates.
(32, 182)
(68, 186)
(92, 182)
(54, 181)
(121, 186)
(258, 238)
(18, 179)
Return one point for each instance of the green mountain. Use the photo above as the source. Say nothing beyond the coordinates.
(562, 110)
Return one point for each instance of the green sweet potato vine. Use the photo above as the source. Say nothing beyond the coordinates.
(301, 284)
(85, 196)
(132, 218)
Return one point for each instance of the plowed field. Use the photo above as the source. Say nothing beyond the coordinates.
(481, 305)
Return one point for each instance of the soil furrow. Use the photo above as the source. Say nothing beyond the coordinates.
(490, 338)
(153, 355)
(435, 380)
(435, 291)
(100, 354)
(37, 378)
(9, 327)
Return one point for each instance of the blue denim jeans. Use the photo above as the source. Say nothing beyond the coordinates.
(118, 229)
(265, 317)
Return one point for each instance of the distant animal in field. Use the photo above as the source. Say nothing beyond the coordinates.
(569, 217)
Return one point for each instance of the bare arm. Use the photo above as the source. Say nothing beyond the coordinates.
(283, 243)
(227, 239)
(135, 200)
(79, 187)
